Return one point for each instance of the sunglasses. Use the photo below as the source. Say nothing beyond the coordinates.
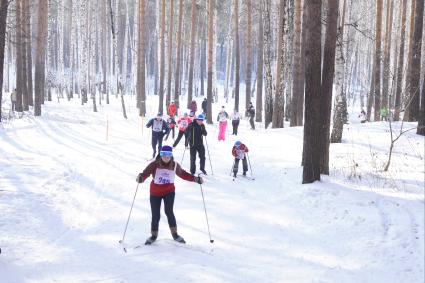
(165, 154)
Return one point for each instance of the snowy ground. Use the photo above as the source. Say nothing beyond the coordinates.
(66, 190)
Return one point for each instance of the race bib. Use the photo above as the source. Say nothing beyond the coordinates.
(164, 176)
(157, 126)
(240, 154)
(183, 124)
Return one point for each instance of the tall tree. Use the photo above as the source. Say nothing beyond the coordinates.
(19, 60)
(192, 51)
(162, 67)
(260, 65)
(141, 89)
(407, 101)
(397, 103)
(237, 53)
(338, 117)
(279, 107)
(28, 50)
(170, 52)
(248, 54)
(4, 4)
(415, 69)
(387, 49)
(296, 77)
(421, 119)
(267, 41)
(210, 59)
(377, 83)
(311, 149)
(178, 60)
(327, 83)
(40, 74)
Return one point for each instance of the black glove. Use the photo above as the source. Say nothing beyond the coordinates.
(198, 180)
(139, 178)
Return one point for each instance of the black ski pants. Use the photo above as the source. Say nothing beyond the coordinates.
(179, 137)
(236, 165)
(200, 149)
(168, 208)
(235, 125)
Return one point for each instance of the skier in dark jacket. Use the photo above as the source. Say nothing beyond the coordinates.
(195, 133)
(251, 113)
(159, 129)
(163, 171)
(204, 106)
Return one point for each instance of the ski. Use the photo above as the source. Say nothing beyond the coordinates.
(166, 242)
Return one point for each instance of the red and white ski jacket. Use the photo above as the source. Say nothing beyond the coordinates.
(239, 152)
(163, 175)
(183, 123)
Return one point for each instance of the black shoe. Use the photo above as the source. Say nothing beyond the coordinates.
(153, 155)
(234, 175)
(203, 171)
(150, 240)
(179, 238)
(244, 173)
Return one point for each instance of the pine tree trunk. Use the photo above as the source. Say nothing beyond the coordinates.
(162, 64)
(421, 121)
(279, 102)
(40, 58)
(397, 103)
(387, 49)
(28, 50)
(377, 87)
(311, 149)
(3, 16)
(415, 69)
(248, 55)
(178, 60)
(296, 77)
(300, 102)
(211, 8)
(406, 100)
(260, 65)
(170, 52)
(327, 83)
(141, 89)
(20, 83)
(192, 52)
(268, 105)
(237, 53)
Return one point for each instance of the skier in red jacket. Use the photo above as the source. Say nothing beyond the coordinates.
(239, 151)
(163, 171)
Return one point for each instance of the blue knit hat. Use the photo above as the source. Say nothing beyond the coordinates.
(201, 117)
(166, 151)
(238, 143)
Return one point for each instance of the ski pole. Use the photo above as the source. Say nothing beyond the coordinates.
(205, 209)
(181, 162)
(250, 167)
(209, 156)
(231, 170)
(128, 219)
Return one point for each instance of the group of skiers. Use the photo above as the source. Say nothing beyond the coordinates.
(164, 168)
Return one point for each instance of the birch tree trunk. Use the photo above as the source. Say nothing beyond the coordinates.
(387, 49)
(268, 105)
(162, 65)
(279, 102)
(260, 65)
(377, 83)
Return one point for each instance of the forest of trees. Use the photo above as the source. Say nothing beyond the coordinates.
(301, 61)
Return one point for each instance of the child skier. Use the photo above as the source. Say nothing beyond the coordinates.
(222, 119)
(159, 128)
(183, 123)
(236, 117)
(239, 151)
(163, 171)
